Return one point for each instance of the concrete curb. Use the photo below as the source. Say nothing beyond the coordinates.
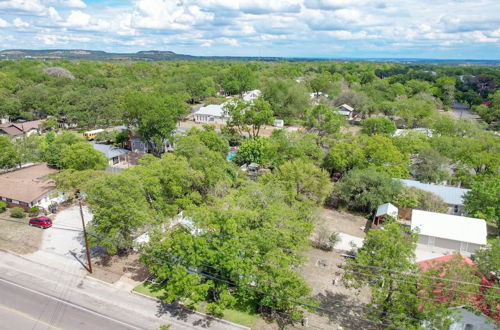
(196, 312)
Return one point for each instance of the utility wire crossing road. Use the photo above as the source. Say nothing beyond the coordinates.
(23, 308)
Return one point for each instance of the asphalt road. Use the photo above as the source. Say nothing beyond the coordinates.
(22, 308)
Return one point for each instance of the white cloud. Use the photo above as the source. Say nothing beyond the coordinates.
(29, 6)
(77, 18)
(72, 4)
(19, 23)
(53, 14)
(4, 23)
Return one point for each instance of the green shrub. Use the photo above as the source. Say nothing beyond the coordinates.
(33, 211)
(3, 206)
(17, 212)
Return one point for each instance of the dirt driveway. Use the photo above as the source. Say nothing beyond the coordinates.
(62, 245)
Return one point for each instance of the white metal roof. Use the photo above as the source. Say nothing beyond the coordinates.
(216, 110)
(251, 95)
(462, 229)
(387, 209)
(450, 195)
(347, 107)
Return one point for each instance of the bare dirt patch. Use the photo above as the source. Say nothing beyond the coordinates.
(17, 236)
(340, 221)
(111, 268)
(322, 273)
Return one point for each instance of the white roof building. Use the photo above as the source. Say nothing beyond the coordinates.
(387, 209)
(211, 114)
(448, 231)
(251, 95)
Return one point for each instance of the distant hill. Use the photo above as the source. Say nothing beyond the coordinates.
(157, 55)
(81, 54)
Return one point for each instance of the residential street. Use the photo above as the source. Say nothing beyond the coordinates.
(37, 296)
(22, 308)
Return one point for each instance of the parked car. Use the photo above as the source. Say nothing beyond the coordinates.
(41, 222)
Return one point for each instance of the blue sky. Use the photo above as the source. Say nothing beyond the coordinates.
(452, 29)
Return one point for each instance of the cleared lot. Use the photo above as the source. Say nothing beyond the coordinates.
(17, 236)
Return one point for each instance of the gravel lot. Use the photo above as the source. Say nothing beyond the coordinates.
(62, 245)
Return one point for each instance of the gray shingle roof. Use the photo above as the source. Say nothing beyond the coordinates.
(450, 195)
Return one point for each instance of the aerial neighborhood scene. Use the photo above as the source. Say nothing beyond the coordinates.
(299, 164)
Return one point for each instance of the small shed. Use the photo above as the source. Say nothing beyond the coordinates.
(451, 232)
(346, 110)
(384, 210)
(279, 123)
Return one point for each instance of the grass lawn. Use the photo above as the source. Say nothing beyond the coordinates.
(232, 315)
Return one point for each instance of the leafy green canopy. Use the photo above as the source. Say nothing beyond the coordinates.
(242, 246)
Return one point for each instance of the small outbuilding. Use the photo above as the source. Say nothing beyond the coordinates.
(450, 232)
(346, 110)
(383, 211)
(114, 154)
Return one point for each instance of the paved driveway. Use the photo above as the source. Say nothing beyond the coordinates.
(62, 244)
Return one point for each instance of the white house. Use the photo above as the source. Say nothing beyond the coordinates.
(211, 114)
(403, 132)
(453, 196)
(451, 232)
(251, 95)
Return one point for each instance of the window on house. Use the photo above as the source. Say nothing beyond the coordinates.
(455, 209)
(9, 200)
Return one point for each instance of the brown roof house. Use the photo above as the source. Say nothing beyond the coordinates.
(29, 186)
(17, 129)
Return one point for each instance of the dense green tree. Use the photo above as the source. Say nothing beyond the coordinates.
(412, 142)
(8, 154)
(257, 150)
(238, 252)
(365, 189)
(210, 138)
(288, 99)
(155, 116)
(378, 125)
(488, 258)
(414, 110)
(323, 120)
(344, 156)
(302, 180)
(119, 207)
(82, 156)
(287, 146)
(249, 117)
(483, 200)
(379, 263)
(411, 197)
(430, 166)
(52, 146)
(381, 154)
(28, 148)
(321, 83)
(239, 79)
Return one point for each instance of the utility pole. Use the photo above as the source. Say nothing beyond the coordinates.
(85, 237)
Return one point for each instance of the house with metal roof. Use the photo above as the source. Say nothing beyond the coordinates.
(450, 232)
(211, 114)
(114, 154)
(453, 196)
